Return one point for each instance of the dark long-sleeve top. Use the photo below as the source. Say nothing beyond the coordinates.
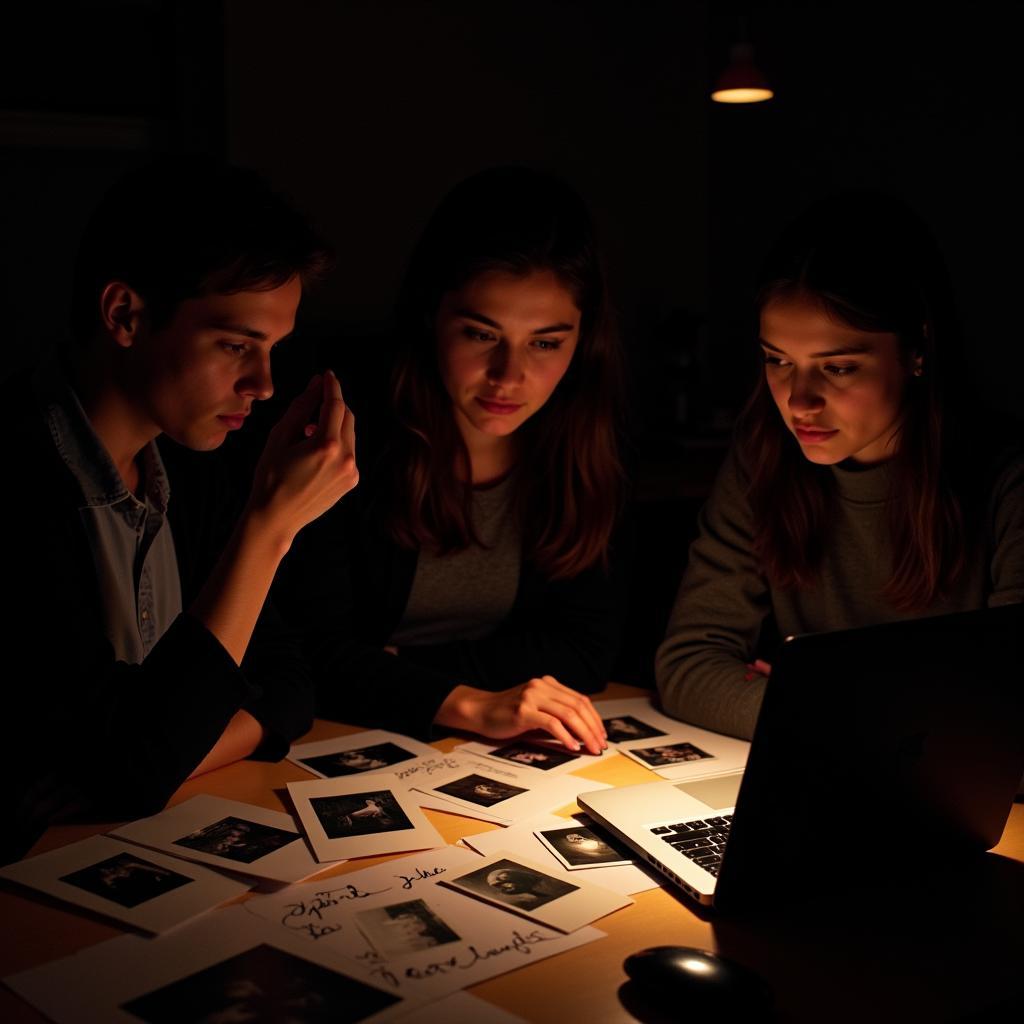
(84, 733)
(347, 583)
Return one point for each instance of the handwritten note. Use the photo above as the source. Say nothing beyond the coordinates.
(480, 941)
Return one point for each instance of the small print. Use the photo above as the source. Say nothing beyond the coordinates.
(126, 880)
(515, 885)
(677, 753)
(362, 759)
(404, 928)
(544, 758)
(583, 846)
(262, 984)
(359, 814)
(237, 839)
(478, 789)
(626, 727)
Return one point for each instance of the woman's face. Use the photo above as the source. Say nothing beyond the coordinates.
(503, 344)
(839, 389)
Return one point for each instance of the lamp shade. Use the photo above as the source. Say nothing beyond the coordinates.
(741, 81)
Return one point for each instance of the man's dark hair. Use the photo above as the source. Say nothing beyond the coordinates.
(184, 227)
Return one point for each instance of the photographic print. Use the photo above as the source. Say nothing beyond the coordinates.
(126, 879)
(359, 814)
(403, 928)
(583, 846)
(626, 727)
(676, 753)
(534, 756)
(506, 881)
(262, 984)
(478, 789)
(359, 759)
(237, 839)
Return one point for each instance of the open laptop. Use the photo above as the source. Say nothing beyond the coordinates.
(877, 750)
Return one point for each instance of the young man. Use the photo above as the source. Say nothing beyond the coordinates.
(134, 580)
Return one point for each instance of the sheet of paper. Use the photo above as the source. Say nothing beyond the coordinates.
(461, 1008)
(144, 889)
(228, 834)
(505, 794)
(521, 841)
(360, 753)
(229, 966)
(526, 887)
(689, 753)
(361, 817)
(535, 755)
(350, 912)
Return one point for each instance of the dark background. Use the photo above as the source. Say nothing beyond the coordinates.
(365, 112)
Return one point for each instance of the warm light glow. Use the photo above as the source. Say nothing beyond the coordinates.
(742, 95)
(697, 966)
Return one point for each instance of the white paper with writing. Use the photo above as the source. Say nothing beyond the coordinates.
(358, 753)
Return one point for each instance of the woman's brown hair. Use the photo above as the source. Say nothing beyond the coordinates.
(569, 489)
(871, 264)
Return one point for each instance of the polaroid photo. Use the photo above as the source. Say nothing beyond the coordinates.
(229, 835)
(625, 728)
(360, 753)
(355, 817)
(146, 890)
(583, 844)
(480, 790)
(667, 755)
(401, 929)
(229, 966)
(643, 710)
(534, 754)
(524, 887)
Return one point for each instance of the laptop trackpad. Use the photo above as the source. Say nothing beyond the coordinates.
(715, 793)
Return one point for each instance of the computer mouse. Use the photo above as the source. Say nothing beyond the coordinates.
(695, 979)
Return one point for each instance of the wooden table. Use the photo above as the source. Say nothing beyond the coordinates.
(939, 950)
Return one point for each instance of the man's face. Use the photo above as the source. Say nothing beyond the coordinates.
(197, 377)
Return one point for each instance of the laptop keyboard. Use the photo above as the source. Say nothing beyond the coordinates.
(702, 840)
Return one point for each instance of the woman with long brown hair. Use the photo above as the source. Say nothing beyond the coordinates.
(477, 559)
(863, 486)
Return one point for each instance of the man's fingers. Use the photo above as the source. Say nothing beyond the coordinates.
(549, 723)
(332, 408)
(584, 708)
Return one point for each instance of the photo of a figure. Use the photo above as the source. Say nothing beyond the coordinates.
(579, 846)
(515, 885)
(478, 789)
(126, 879)
(261, 984)
(359, 814)
(535, 756)
(677, 753)
(237, 839)
(363, 759)
(403, 928)
(626, 727)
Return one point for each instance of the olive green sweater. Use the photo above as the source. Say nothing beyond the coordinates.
(724, 599)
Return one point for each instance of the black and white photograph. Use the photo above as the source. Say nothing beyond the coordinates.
(403, 928)
(359, 814)
(676, 753)
(478, 789)
(361, 759)
(126, 879)
(261, 984)
(583, 846)
(237, 839)
(626, 727)
(534, 755)
(516, 885)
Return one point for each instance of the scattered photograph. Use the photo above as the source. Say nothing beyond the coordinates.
(534, 756)
(359, 814)
(583, 846)
(478, 789)
(626, 727)
(261, 984)
(126, 879)
(237, 839)
(515, 885)
(677, 753)
(403, 928)
(362, 759)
